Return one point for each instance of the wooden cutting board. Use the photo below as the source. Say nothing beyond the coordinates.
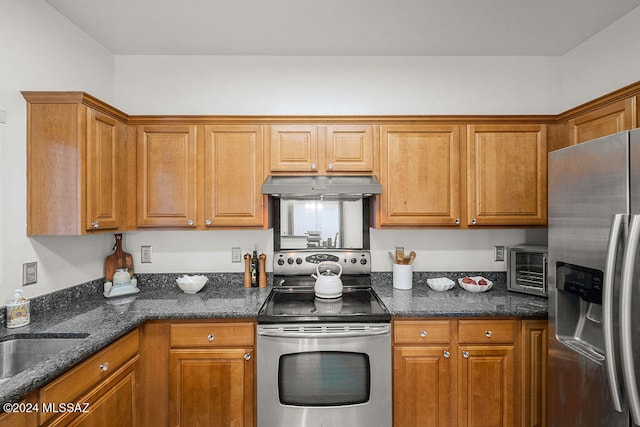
(119, 259)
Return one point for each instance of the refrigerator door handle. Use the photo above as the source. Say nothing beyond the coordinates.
(607, 309)
(626, 291)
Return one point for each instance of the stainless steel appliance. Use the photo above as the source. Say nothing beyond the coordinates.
(594, 335)
(527, 269)
(323, 362)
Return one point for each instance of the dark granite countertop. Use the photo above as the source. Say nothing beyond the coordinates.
(83, 310)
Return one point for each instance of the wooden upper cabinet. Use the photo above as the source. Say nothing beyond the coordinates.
(322, 149)
(167, 176)
(349, 148)
(294, 148)
(77, 164)
(420, 175)
(506, 174)
(607, 120)
(233, 175)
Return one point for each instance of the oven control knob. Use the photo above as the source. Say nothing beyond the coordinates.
(290, 261)
(353, 260)
(363, 261)
(280, 261)
(298, 261)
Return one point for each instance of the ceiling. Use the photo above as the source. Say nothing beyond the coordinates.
(342, 27)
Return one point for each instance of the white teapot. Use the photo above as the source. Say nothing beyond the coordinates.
(328, 284)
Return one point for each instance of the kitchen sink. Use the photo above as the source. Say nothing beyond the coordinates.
(19, 354)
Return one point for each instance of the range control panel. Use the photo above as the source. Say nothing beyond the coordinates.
(289, 263)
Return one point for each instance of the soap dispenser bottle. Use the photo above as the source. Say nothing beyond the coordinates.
(18, 312)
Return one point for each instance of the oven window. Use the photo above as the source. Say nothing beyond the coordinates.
(324, 378)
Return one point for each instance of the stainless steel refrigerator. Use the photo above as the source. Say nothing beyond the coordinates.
(594, 283)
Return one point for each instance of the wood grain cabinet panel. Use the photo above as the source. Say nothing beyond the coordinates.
(233, 176)
(420, 175)
(77, 165)
(506, 174)
(349, 148)
(603, 121)
(534, 373)
(167, 176)
(294, 148)
(21, 418)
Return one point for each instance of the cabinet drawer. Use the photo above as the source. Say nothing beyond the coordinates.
(212, 334)
(486, 331)
(422, 332)
(69, 386)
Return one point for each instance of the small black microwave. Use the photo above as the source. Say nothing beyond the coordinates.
(527, 269)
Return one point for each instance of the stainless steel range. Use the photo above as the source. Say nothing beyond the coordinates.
(323, 361)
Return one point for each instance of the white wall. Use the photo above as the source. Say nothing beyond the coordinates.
(605, 62)
(41, 50)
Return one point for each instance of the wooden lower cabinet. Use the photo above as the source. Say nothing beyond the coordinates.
(460, 372)
(212, 374)
(21, 417)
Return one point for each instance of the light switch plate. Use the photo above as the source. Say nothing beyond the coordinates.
(29, 273)
(145, 254)
(498, 253)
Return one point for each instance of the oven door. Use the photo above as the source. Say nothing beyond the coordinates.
(324, 375)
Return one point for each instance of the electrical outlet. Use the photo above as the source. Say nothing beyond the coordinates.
(29, 273)
(145, 254)
(498, 253)
(236, 255)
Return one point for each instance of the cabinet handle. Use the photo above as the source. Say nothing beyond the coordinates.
(247, 356)
(211, 337)
(487, 334)
(423, 334)
(208, 222)
(465, 354)
(473, 221)
(457, 221)
(446, 354)
(190, 222)
(95, 224)
(314, 166)
(104, 366)
(330, 166)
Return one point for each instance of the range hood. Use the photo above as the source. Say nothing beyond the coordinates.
(317, 187)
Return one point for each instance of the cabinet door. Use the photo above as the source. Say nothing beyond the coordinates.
(167, 180)
(534, 373)
(486, 386)
(23, 416)
(294, 148)
(604, 121)
(419, 173)
(422, 379)
(233, 176)
(103, 170)
(211, 387)
(507, 174)
(349, 148)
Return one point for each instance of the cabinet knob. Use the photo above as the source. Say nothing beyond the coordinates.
(247, 356)
(446, 354)
(190, 222)
(465, 354)
(457, 221)
(330, 166)
(473, 221)
(314, 166)
(211, 337)
(208, 222)
(423, 334)
(95, 224)
(104, 366)
(487, 334)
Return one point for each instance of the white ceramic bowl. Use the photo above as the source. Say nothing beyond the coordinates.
(441, 284)
(191, 284)
(476, 288)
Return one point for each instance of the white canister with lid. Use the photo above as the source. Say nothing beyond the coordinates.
(18, 311)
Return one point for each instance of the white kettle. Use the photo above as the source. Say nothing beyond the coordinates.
(328, 284)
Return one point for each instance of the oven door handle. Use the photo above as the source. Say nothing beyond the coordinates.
(323, 331)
